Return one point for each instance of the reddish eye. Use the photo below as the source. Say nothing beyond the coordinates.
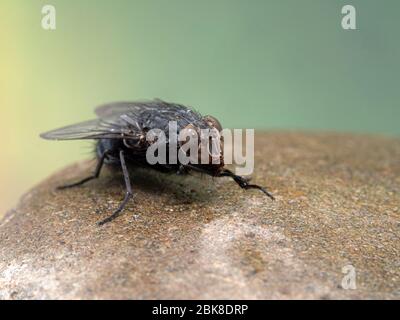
(213, 122)
(189, 130)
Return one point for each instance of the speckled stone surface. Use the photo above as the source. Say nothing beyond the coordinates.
(337, 204)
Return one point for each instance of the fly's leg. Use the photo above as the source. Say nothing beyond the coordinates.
(182, 170)
(128, 193)
(243, 183)
(95, 175)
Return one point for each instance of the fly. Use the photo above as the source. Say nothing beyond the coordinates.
(120, 130)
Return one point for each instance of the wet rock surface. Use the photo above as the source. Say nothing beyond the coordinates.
(337, 204)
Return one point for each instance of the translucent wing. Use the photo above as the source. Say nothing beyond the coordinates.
(119, 120)
(122, 127)
(131, 108)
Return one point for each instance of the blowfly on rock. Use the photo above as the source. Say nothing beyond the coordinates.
(121, 130)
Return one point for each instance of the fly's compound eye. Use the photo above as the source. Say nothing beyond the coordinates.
(189, 132)
(213, 122)
(211, 147)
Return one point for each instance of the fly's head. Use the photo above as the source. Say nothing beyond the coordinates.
(205, 137)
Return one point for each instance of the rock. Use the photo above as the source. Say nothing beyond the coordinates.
(337, 204)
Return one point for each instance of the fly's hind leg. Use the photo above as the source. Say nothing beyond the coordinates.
(128, 193)
(95, 175)
(243, 183)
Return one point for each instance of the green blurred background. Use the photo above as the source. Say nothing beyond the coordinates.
(275, 64)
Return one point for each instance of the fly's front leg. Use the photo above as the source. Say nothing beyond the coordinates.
(95, 175)
(243, 183)
(128, 193)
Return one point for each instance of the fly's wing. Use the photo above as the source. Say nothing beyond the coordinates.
(131, 108)
(116, 121)
(122, 127)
